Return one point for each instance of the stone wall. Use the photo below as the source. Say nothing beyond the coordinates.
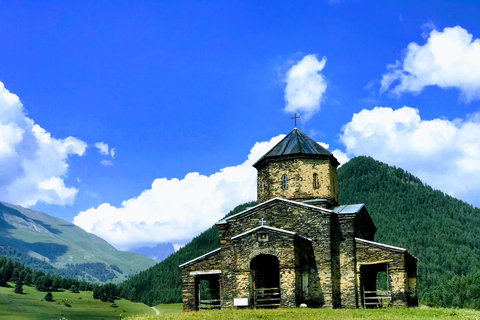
(208, 265)
(307, 221)
(401, 270)
(364, 226)
(300, 184)
(280, 245)
(228, 279)
(320, 258)
(344, 242)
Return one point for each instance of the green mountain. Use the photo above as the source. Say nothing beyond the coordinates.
(438, 229)
(64, 246)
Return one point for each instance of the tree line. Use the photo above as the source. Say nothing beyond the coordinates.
(15, 272)
(91, 271)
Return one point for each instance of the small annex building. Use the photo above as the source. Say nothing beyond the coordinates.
(298, 245)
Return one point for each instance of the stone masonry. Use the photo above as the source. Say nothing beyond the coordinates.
(298, 245)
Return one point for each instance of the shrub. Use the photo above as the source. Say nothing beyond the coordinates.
(49, 296)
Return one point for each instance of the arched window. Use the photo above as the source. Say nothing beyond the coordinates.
(316, 183)
(284, 182)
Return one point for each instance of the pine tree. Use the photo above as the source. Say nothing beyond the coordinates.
(19, 287)
(3, 277)
(49, 296)
(15, 275)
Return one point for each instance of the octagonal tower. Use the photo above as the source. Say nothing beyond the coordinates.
(298, 168)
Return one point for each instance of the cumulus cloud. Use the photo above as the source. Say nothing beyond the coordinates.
(449, 59)
(341, 156)
(32, 162)
(174, 210)
(306, 87)
(444, 154)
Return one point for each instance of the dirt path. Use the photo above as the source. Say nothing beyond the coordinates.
(156, 310)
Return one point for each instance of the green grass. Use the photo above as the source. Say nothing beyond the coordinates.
(327, 314)
(32, 305)
(170, 308)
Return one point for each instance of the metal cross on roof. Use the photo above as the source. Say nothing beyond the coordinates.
(295, 117)
(262, 221)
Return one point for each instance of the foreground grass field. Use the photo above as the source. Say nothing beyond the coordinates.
(72, 306)
(174, 312)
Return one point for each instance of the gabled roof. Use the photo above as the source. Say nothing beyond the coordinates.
(381, 245)
(272, 229)
(296, 143)
(198, 258)
(314, 208)
(386, 246)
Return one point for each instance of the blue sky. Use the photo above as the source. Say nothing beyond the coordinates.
(188, 94)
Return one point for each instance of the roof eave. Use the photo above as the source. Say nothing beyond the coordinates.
(263, 161)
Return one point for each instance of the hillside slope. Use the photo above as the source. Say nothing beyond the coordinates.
(441, 231)
(62, 243)
(438, 229)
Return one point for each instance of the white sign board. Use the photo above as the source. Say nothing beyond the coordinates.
(243, 302)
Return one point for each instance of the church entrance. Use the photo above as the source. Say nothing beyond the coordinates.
(376, 285)
(207, 292)
(265, 281)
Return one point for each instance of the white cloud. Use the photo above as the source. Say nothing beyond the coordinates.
(449, 59)
(176, 247)
(341, 156)
(106, 162)
(444, 154)
(102, 148)
(175, 210)
(32, 162)
(306, 87)
(337, 153)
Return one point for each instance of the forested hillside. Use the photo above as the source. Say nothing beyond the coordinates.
(94, 272)
(441, 231)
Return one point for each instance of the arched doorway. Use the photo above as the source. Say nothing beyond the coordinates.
(265, 281)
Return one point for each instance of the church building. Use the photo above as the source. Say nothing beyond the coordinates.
(298, 245)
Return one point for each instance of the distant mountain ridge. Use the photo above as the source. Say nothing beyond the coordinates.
(64, 245)
(159, 252)
(441, 231)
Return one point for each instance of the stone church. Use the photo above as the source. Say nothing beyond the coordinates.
(298, 245)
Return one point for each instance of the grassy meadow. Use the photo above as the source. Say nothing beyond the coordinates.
(173, 311)
(32, 305)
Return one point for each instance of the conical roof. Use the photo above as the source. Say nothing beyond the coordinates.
(296, 143)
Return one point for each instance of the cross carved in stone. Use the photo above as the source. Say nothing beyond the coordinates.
(262, 221)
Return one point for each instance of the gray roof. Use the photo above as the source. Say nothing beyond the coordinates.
(348, 209)
(296, 143)
(315, 208)
(381, 245)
